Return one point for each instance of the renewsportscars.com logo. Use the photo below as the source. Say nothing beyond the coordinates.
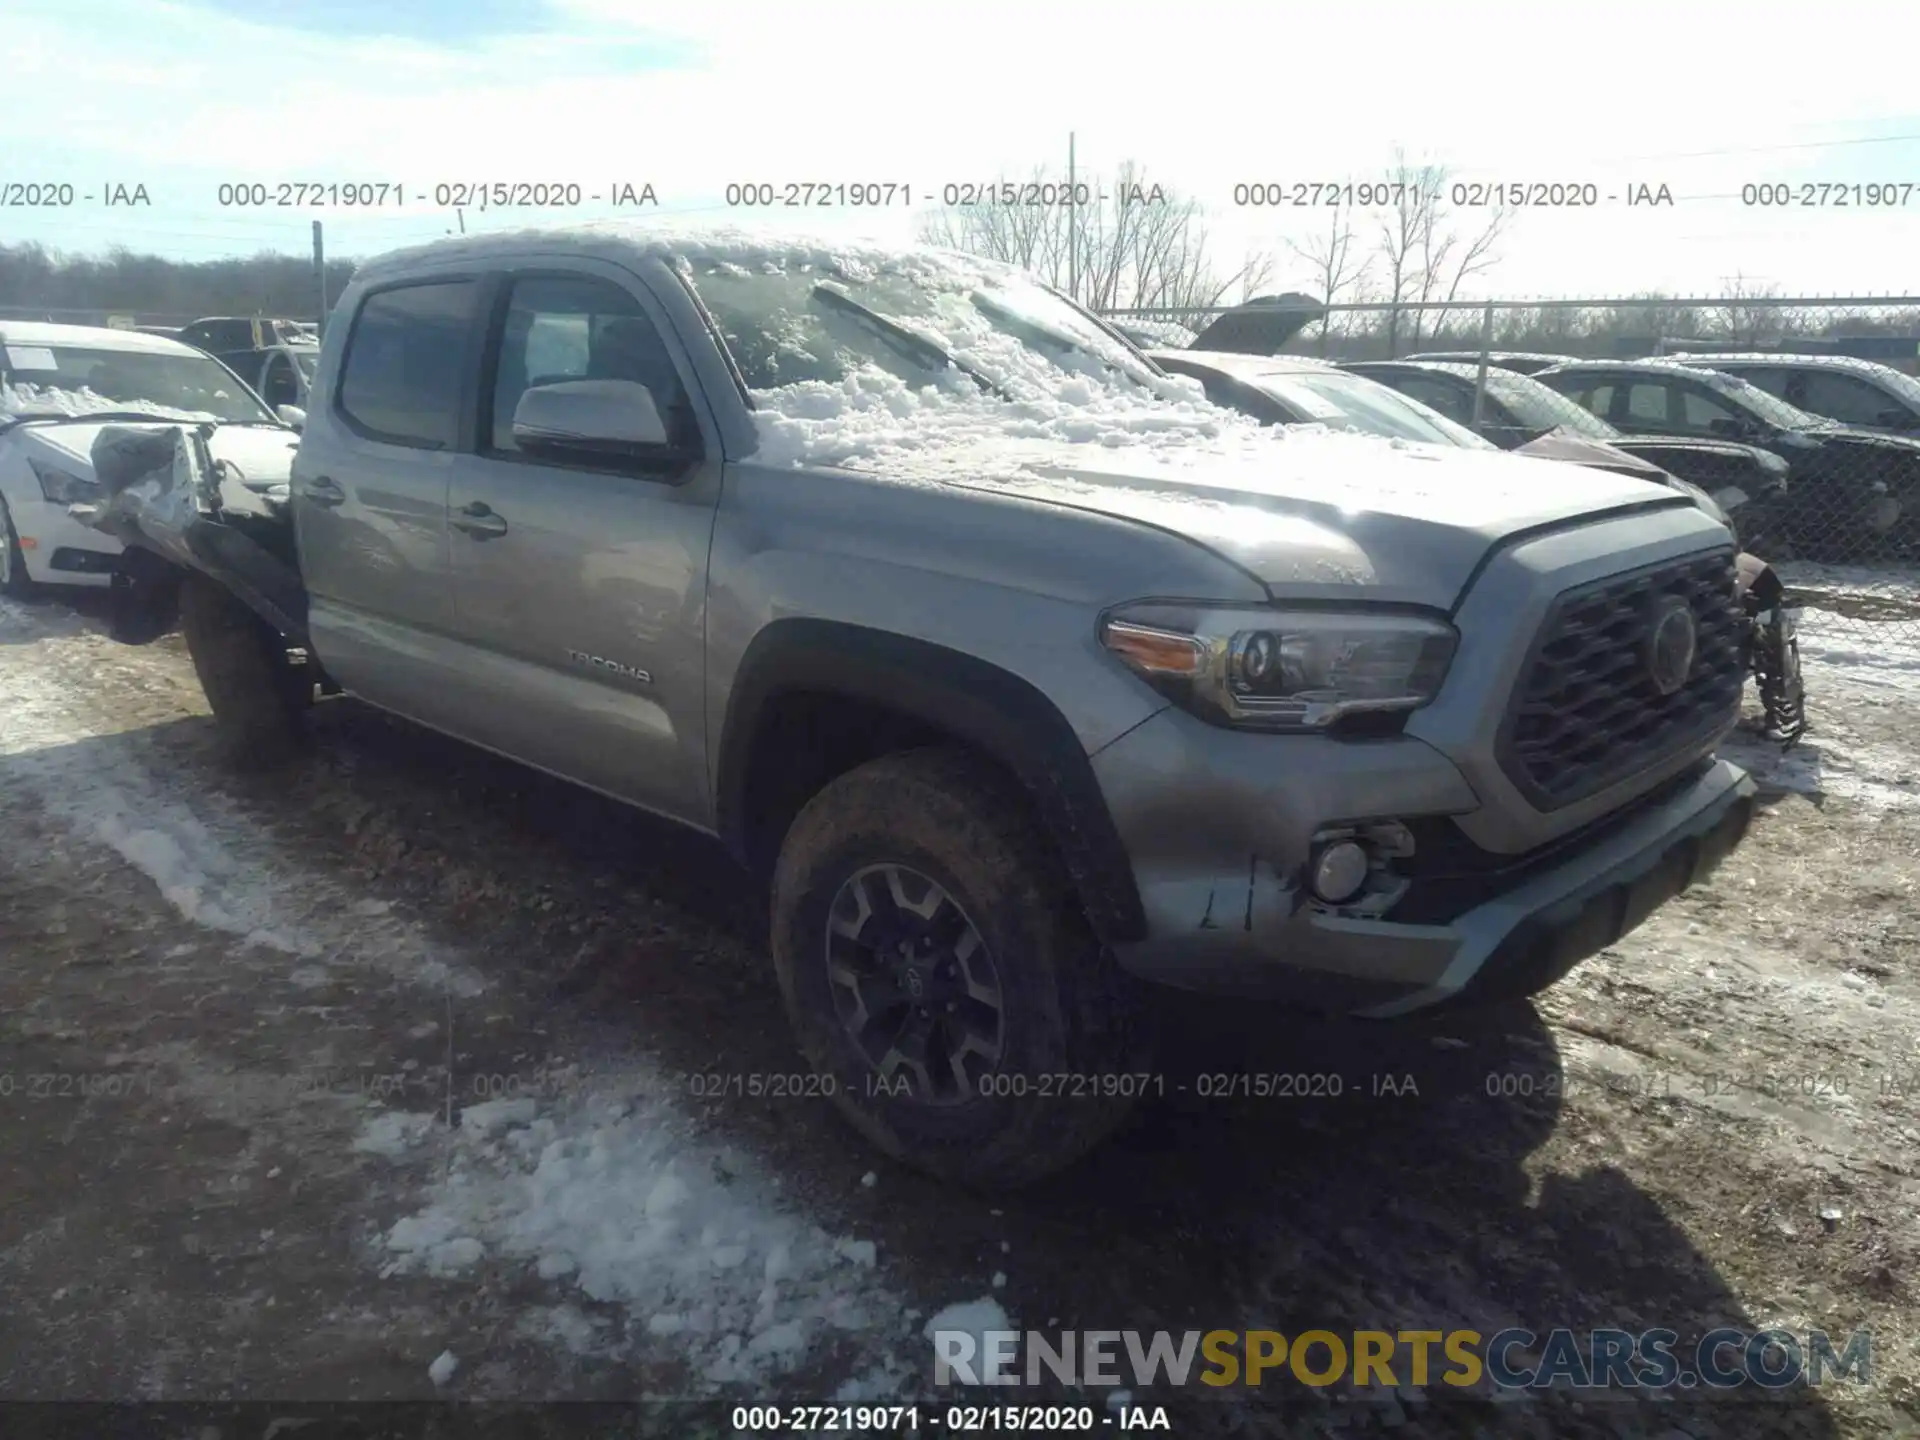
(1515, 1359)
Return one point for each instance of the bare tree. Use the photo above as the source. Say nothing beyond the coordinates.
(1741, 318)
(1139, 245)
(1427, 247)
(1335, 261)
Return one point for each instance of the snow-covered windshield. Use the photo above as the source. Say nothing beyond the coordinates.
(49, 380)
(990, 331)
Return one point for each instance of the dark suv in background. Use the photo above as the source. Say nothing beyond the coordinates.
(1861, 393)
(1852, 494)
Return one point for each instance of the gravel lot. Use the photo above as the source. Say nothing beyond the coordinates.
(253, 1033)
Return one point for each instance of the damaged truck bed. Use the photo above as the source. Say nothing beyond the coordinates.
(177, 509)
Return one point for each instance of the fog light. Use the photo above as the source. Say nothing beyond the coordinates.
(1340, 872)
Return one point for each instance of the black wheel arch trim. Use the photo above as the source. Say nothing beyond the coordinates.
(977, 702)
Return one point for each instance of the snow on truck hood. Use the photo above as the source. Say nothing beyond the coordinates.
(1312, 512)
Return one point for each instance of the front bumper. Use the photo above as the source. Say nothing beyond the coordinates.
(1261, 935)
(58, 549)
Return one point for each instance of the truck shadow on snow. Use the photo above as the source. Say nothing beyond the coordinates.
(1289, 1173)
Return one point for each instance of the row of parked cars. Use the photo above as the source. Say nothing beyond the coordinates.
(1028, 671)
(1839, 481)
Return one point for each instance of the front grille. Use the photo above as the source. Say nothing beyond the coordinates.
(1587, 713)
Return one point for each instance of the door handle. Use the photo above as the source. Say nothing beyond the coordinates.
(323, 490)
(479, 521)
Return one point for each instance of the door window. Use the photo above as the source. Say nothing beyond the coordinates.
(1838, 397)
(1647, 405)
(1449, 400)
(278, 386)
(406, 361)
(577, 327)
(1701, 414)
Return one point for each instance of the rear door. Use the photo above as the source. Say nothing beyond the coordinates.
(370, 493)
(581, 587)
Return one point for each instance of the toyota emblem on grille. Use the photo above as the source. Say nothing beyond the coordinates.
(1670, 646)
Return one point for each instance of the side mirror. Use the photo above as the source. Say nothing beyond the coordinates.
(292, 415)
(585, 419)
(1729, 429)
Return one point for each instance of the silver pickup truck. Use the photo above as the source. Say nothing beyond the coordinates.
(1025, 677)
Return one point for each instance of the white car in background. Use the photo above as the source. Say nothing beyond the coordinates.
(59, 386)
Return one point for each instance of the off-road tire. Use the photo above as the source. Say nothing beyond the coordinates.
(1070, 1015)
(16, 586)
(259, 700)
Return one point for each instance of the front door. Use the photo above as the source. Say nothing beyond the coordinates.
(581, 587)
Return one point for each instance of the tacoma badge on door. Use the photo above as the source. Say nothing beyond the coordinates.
(632, 672)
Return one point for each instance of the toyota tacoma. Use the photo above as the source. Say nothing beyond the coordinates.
(1026, 678)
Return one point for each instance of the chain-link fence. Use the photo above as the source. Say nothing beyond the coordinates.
(1800, 416)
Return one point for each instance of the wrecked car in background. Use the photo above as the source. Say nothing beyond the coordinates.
(59, 384)
(802, 544)
(276, 357)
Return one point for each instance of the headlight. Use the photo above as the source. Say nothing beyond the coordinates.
(63, 487)
(1266, 668)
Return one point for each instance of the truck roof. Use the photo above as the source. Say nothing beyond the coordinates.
(618, 240)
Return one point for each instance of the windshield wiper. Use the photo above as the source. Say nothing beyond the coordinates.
(917, 348)
(1049, 342)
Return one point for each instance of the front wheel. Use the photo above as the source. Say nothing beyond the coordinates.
(259, 698)
(941, 978)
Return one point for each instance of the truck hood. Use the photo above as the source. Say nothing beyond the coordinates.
(1324, 515)
(262, 455)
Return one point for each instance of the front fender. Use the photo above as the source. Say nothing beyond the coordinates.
(976, 702)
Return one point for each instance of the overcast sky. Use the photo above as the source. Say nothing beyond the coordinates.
(182, 95)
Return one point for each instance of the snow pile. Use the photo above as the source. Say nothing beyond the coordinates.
(209, 862)
(977, 1319)
(393, 1133)
(1878, 655)
(1863, 682)
(624, 1200)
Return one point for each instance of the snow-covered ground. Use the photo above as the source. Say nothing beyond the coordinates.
(607, 1186)
(603, 1227)
(1863, 683)
(615, 1193)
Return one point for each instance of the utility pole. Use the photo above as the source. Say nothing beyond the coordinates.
(1073, 225)
(460, 215)
(320, 277)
